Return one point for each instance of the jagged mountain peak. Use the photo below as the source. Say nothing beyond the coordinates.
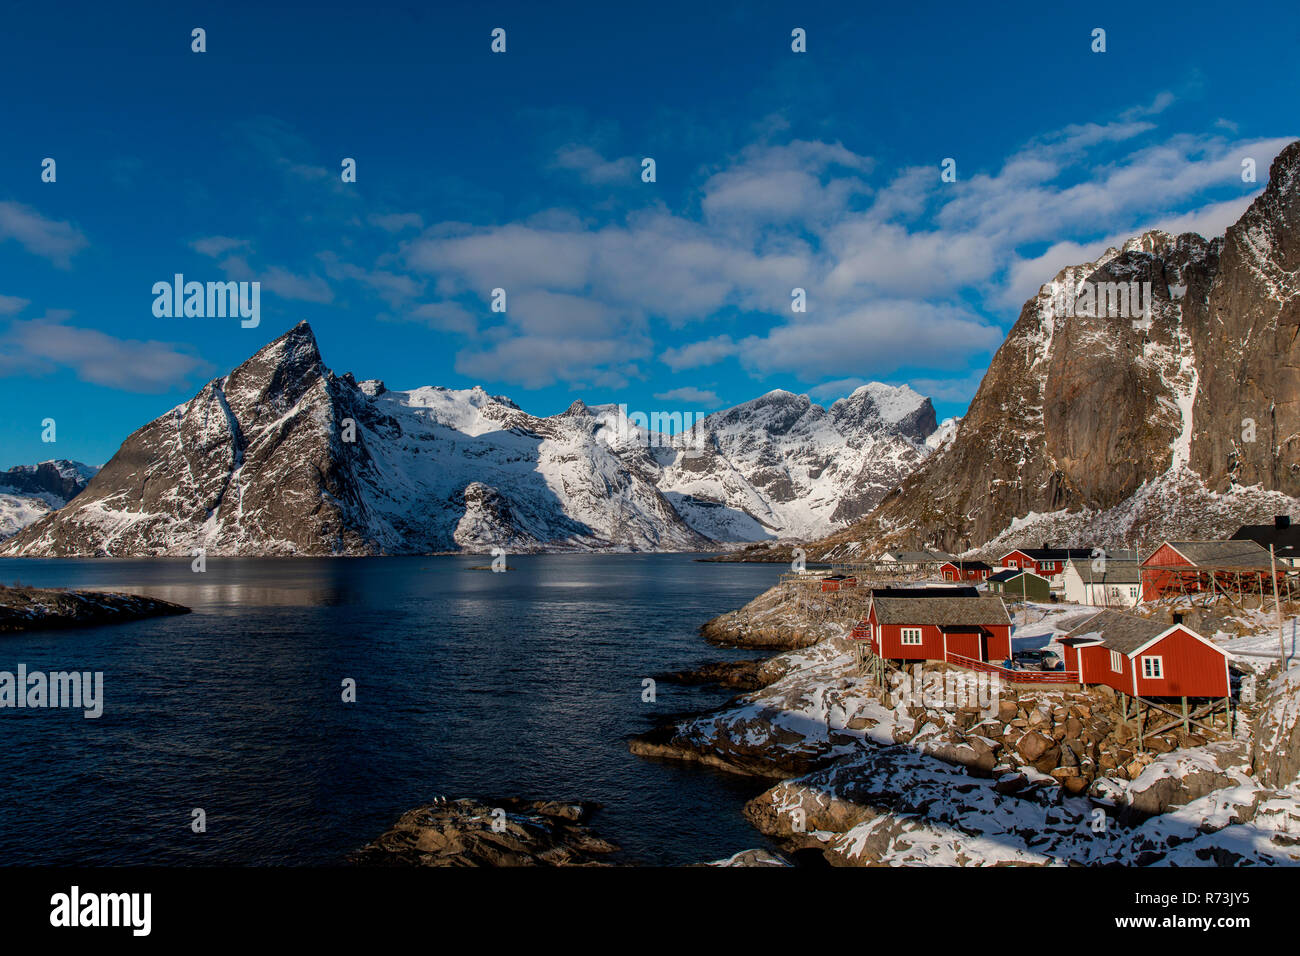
(897, 408)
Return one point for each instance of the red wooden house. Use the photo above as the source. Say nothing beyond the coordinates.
(937, 628)
(1146, 658)
(1045, 562)
(1190, 567)
(965, 571)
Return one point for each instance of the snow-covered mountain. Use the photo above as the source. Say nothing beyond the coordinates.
(29, 492)
(1099, 428)
(785, 467)
(282, 456)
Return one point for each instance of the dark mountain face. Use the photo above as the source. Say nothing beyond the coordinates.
(1248, 331)
(1100, 415)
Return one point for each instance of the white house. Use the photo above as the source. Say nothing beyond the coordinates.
(912, 560)
(1118, 585)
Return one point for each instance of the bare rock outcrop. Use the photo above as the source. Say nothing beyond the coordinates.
(505, 833)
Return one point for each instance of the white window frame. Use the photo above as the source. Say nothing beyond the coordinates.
(1117, 662)
(1153, 667)
(911, 636)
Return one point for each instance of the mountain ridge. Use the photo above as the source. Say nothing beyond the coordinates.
(283, 456)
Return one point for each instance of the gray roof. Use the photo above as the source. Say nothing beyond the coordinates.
(941, 610)
(1222, 554)
(918, 557)
(1117, 572)
(1119, 631)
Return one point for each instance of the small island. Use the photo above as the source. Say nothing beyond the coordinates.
(35, 609)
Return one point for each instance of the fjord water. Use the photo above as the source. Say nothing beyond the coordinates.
(469, 683)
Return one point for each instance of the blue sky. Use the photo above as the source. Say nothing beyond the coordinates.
(521, 170)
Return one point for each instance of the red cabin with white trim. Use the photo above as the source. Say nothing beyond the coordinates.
(1146, 658)
(1045, 562)
(965, 571)
(937, 628)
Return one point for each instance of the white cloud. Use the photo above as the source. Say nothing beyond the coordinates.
(11, 304)
(690, 395)
(594, 168)
(216, 246)
(838, 388)
(445, 317)
(696, 354)
(955, 388)
(872, 340)
(393, 287)
(40, 346)
(890, 271)
(783, 184)
(48, 238)
(396, 222)
(538, 361)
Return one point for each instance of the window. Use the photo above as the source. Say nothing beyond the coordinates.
(1013, 563)
(1116, 662)
(1153, 668)
(911, 635)
(1133, 592)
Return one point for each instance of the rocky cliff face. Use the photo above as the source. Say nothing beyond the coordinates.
(1088, 417)
(284, 457)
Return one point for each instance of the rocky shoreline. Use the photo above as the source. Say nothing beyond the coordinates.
(1047, 777)
(1040, 777)
(32, 609)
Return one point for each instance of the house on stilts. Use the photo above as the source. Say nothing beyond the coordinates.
(1157, 670)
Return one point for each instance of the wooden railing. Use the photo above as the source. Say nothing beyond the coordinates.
(1015, 677)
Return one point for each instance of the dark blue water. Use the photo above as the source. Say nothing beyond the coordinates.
(469, 683)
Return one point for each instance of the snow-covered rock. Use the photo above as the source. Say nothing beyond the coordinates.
(795, 469)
